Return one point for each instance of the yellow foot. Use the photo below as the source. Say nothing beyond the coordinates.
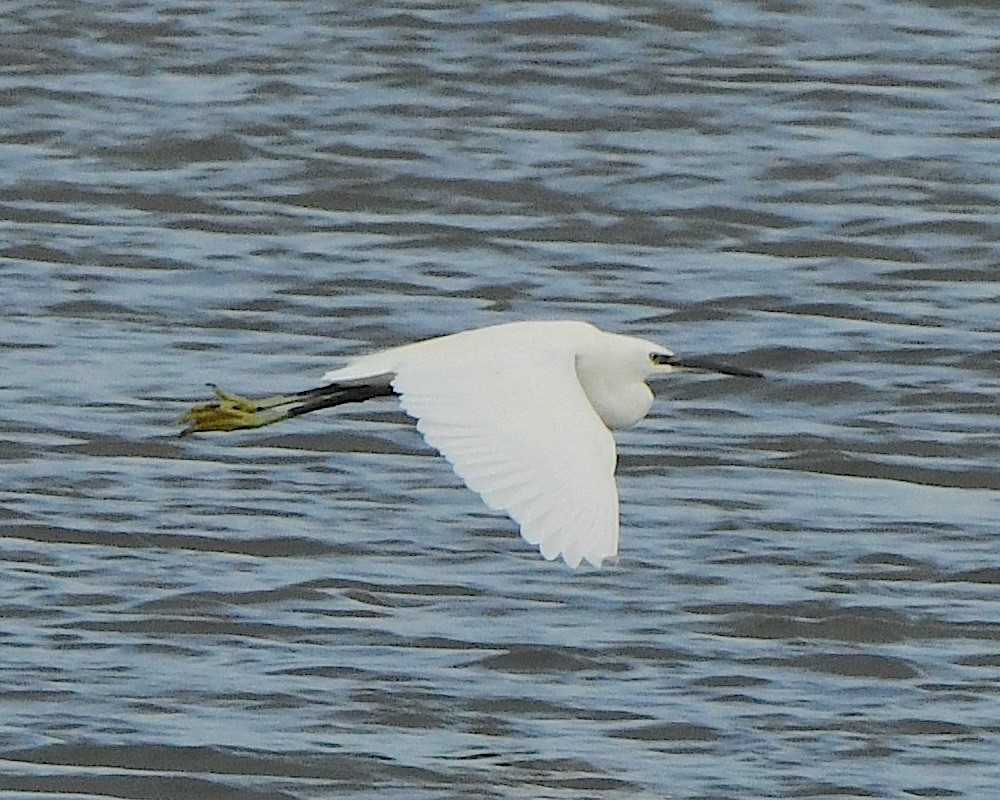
(233, 412)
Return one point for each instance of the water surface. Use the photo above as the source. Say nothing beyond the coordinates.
(806, 599)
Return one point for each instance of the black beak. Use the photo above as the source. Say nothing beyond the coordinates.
(707, 365)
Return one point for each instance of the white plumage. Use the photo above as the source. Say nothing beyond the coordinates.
(522, 411)
(506, 407)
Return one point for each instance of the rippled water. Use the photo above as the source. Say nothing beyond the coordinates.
(806, 600)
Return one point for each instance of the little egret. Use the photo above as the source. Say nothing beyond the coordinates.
(523, 411)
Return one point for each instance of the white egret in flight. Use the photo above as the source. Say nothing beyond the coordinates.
(523, 411)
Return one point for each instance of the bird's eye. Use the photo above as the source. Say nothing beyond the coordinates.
(653, 358)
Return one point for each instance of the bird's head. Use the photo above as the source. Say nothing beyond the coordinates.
(613, 371)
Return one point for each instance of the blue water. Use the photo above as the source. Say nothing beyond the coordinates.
(805, 601)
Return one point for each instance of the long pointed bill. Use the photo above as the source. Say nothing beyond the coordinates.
(707, 365)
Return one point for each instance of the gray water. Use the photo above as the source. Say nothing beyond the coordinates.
(806, 600)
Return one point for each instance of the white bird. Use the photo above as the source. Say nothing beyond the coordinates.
(523, 411)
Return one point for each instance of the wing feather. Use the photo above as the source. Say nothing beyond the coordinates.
(518, 428)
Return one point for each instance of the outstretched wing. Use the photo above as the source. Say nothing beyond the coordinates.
(519, 430)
